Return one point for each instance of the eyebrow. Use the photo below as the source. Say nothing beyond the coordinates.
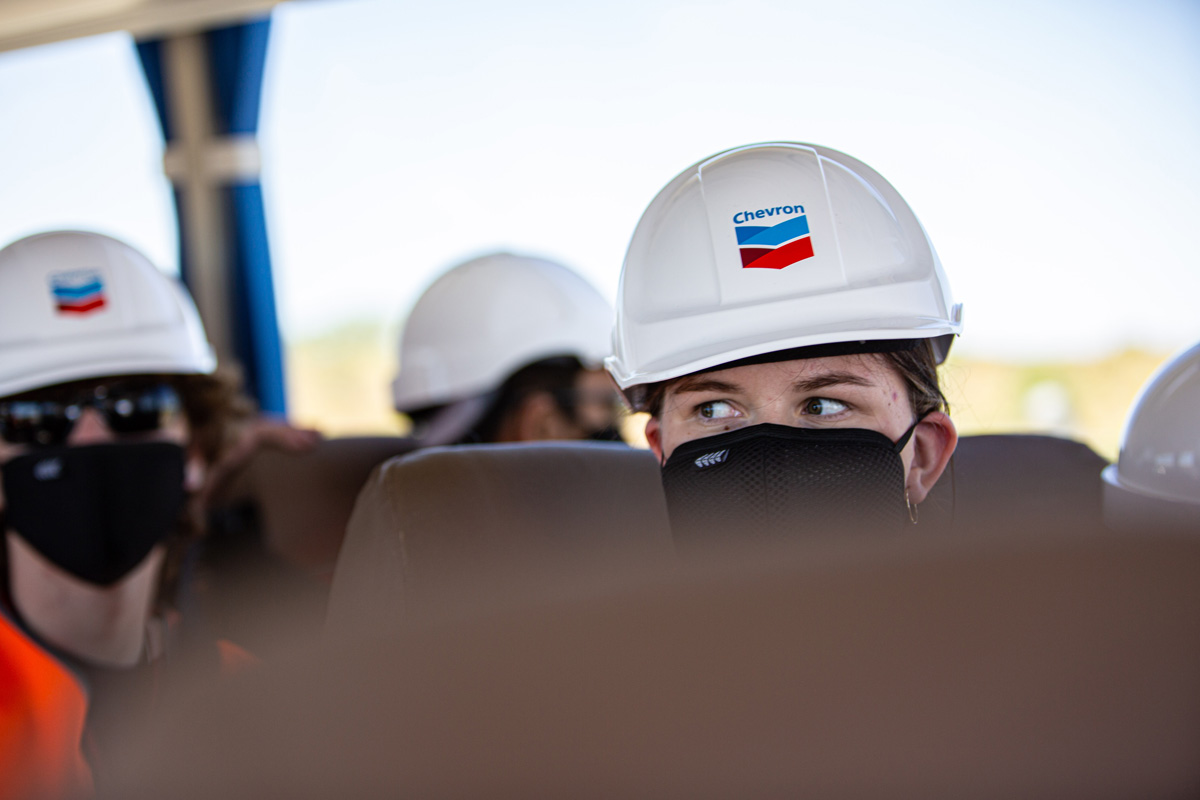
(831, 379)
(705, 384)
(701, 384)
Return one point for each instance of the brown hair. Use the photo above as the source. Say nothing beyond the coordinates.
(917, 367)
(554, 376)
(215, 408)
(213, 405)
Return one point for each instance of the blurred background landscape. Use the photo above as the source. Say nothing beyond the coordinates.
(339, 382)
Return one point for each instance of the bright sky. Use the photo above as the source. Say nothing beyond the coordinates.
(1049, 147)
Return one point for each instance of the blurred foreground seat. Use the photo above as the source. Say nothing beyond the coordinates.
(994, 665)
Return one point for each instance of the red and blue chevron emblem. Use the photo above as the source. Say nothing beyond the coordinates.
(777, 246)
(78, 292)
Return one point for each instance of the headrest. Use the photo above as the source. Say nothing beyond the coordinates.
(492, 509)
(1022, 482)
(497, 512)
(302, 500)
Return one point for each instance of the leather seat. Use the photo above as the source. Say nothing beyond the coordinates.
(274, 535)
(299, 502)
(498, 513)
(494, 510)
(1022, 482)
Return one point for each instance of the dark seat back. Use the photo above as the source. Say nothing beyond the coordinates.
(495, 511)
(302, 501)
(1022, 482)
(427, 518)
(274, 536)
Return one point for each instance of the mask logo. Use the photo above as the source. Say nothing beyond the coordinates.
(776, 246)
(77, 292)
(48, 470)
(708, 459)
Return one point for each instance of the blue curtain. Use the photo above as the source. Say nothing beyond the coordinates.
(237, 57)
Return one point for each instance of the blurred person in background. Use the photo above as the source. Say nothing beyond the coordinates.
(113, 426)
(781, 317)
(507, 348)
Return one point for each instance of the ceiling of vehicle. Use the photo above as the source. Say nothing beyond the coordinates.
(203, 61)
(25, 23)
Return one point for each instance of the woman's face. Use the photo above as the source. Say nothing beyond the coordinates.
(852, 391)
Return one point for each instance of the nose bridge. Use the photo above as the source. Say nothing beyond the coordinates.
(777, 410)
(90, 428)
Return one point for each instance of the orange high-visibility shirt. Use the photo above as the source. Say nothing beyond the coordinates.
(43, 707)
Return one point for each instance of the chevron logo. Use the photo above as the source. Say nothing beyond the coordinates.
(77, 292)
(709, 459)
(775, 246)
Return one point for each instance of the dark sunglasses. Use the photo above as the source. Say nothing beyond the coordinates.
(47, 417)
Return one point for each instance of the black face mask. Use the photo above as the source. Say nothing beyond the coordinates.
(775, 482)
(95, 511)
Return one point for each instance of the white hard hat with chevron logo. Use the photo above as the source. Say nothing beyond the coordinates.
(76, 304)
(771, 247)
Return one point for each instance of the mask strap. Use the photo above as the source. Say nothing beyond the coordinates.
(903, 440)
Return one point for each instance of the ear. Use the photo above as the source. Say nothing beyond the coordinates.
(654, 437)
(934, 441)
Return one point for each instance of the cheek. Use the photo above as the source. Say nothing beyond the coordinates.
(195, 470)
(7, 452)
(194, 474)
(906, 457)
(675, 435)
(669, 441)
(176, 431)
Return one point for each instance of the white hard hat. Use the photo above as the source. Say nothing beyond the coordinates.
(77, 305)
(486, 318)
(1157, 475)
(771, 247)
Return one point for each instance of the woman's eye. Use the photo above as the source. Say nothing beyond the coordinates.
(716, 409)
(823, 407)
